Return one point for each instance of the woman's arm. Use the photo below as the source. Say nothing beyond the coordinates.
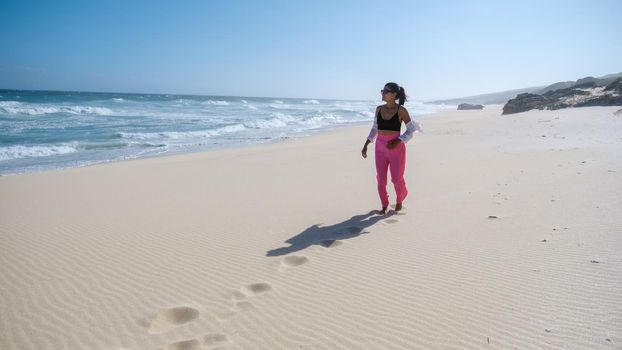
(411, 125)
(374, 130)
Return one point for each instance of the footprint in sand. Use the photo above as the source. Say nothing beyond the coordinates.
(168, 319)
(255, 288)
(214, 338)
(210, 340)
(238, 297)
(190, 344)
(294, 260)
(390, 221)
(330, 243)
(243, 305)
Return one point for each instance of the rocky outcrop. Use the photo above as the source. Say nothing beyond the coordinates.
(467, 106)
(525, 102)
(504, 96)
(586, 92)
(600, 81)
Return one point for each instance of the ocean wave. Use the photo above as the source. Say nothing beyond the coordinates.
(22, 151)
(315, 102)
(278, 121)
(15, 107)
(181, 135)
(278, 106)
(321, 119)
(99, 146)
(216, 103)
(366, 114)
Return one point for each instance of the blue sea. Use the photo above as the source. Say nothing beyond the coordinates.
(42, 130)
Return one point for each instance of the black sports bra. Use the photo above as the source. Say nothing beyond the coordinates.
(394, 123)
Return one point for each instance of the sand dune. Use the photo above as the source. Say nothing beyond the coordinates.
(510, 238)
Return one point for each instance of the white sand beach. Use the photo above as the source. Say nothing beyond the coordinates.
(510, 238)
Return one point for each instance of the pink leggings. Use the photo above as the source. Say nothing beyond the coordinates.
(395, 160)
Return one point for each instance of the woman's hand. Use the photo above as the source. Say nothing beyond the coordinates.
(391, 144)
(364, 151)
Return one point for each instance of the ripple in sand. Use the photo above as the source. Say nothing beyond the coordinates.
(168, 319)
(243, 305)
(236, 295)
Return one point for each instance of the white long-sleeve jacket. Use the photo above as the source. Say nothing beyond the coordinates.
(411, 127)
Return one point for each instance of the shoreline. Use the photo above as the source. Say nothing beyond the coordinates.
(229, 146)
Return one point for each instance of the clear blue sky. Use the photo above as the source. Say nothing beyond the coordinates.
(320, 49)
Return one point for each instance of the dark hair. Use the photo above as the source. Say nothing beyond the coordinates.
(401, 93)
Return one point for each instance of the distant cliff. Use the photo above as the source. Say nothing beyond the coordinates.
(590, 91)
(485, 99)
(503, 96)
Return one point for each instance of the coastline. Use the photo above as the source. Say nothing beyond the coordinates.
(509, 238)
(45, 130)
(226, 146)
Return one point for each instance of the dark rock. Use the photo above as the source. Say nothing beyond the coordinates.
(467, 106)
(525, 102)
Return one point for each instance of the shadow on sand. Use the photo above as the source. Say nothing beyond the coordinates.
(328, 236)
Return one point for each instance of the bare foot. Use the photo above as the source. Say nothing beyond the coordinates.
(398, 206)
(384, 210)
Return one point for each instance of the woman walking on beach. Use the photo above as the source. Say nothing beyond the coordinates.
(390, 150)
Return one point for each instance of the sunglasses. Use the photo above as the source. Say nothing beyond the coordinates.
(385, 91)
